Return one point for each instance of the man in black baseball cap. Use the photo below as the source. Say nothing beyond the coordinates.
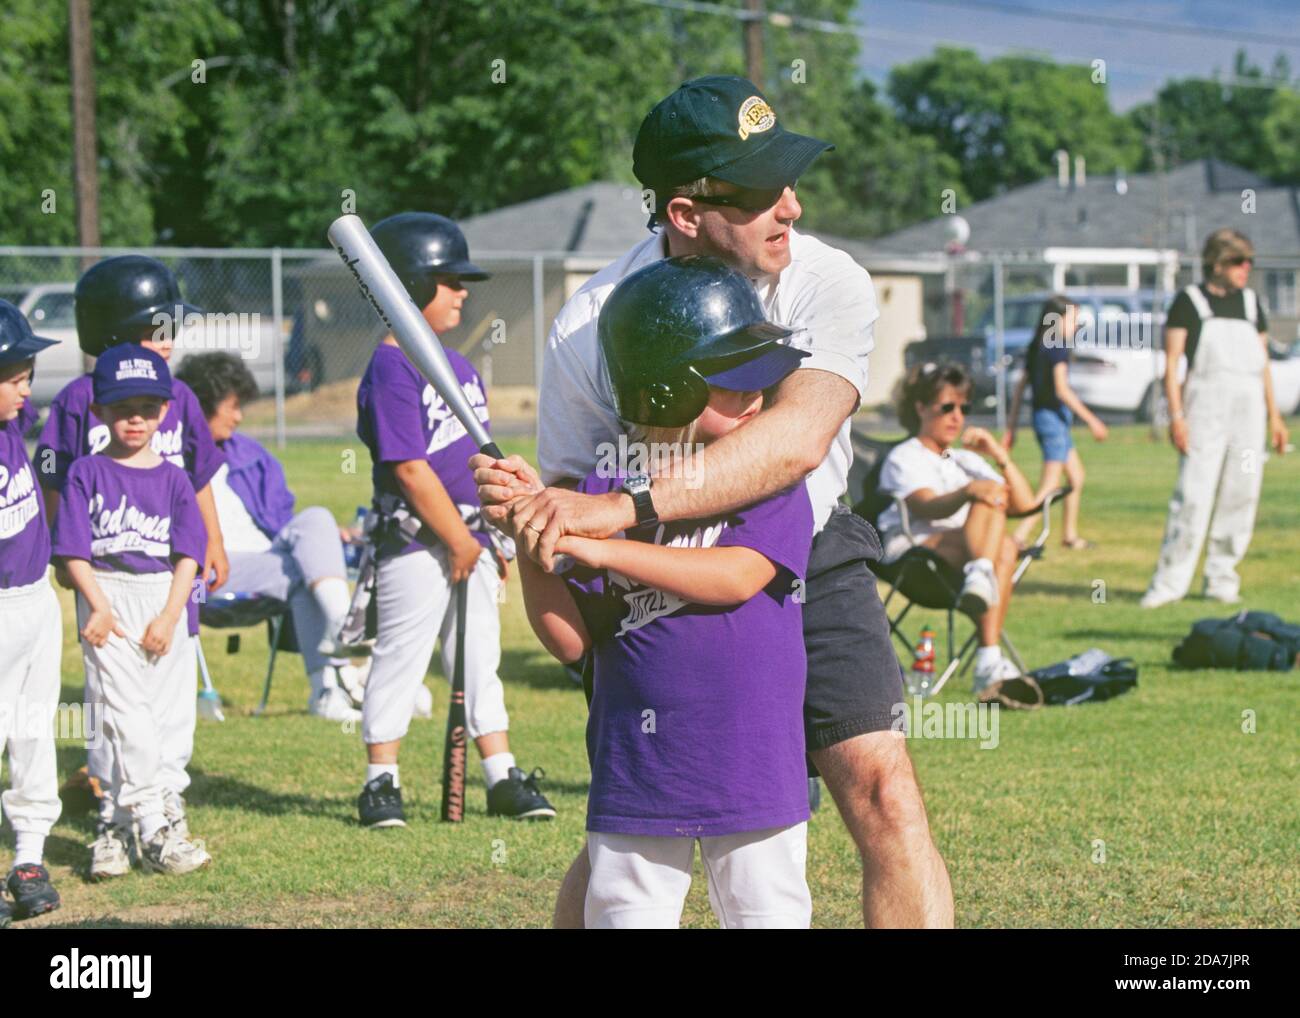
(722, 170)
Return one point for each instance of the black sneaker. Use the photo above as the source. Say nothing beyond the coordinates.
(518, 796)
(380, 804)
(31, 890)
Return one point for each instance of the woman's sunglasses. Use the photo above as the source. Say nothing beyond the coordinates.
(746, 199)
(947, 408)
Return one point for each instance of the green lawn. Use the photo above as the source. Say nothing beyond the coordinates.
(1198, 819)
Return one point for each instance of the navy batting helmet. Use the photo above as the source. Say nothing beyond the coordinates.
(118, 298)
(673, 328)
(421, 246)
(17, 341)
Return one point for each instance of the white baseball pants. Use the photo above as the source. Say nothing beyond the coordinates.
(135, 759)
(31, 647)
(756, 879)
(417, 608)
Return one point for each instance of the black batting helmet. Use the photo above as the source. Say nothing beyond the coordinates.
(117, 299)
(673, 328)
(421, 246)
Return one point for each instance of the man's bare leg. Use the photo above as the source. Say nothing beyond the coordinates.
(571, 902)
(904, 880)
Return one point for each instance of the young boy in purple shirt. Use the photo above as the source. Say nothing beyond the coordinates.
(696, 729)
(132, 539)
(31, 638)
(420, 453)
(136, 299)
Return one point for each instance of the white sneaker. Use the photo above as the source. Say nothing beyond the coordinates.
(110, 853)
(1157, 599)
(352, 680)
(979, 592)
(333, 704)
(424, 702)
(168, 852)
(1224, 595)
(174, 811)
(991, 676)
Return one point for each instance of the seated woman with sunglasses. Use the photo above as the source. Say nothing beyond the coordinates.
(957, 504)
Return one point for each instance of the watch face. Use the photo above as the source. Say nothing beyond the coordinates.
(637, 483)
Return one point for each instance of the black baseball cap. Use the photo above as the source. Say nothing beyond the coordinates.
(720, 126)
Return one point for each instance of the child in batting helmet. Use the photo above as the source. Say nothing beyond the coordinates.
(696, 627)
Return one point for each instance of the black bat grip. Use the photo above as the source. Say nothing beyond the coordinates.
(491, 450)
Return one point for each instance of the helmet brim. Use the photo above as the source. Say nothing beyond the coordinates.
(141, 319)
(25, 349)
(762, 371)
(464, 270)
(742, 340)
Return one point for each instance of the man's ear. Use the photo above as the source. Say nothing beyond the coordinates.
(684, 216)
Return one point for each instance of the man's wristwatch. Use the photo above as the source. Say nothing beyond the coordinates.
(638, 486)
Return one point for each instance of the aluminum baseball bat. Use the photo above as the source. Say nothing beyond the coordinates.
(381, 287)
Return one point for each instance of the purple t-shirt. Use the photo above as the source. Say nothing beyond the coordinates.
(126, 519)
(696, 725)
(401, 417)
(72, 431)
(24, 534)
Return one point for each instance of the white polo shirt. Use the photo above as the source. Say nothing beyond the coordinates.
(823, 295)
(912, 466)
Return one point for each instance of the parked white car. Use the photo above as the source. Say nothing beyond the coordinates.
(50, 309)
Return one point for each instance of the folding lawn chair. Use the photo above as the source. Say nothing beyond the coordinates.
(233, 610)
(919, 575)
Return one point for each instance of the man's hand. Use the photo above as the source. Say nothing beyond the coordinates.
(1278, 433)
(539, 521)
(501, 481)
(215, 561)
(991, 493)
(1178, 434)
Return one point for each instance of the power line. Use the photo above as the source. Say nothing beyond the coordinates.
(1115, 21)
(780, 19)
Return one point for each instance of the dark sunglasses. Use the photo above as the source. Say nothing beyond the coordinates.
(947, 408)
(746, 199)
(1241, 261)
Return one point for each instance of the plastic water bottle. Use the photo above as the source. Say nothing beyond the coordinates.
(921, 678)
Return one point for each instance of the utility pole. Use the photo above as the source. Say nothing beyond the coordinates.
(753, 29)
(85, 160)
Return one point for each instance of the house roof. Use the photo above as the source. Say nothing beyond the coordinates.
(1198, 197)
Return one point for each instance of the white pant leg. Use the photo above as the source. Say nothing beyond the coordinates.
(30, 656)
(485, 698)
(411, 595)
(131, 687)
(1233, 522)
(756, 879)
(180, 712)
(638, 882)
(1190, 506)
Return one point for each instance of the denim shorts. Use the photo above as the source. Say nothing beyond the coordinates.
(1052, 429)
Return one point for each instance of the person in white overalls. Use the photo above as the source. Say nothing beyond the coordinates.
(1217, 422)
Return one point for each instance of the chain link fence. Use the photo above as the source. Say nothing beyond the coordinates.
(297, 318)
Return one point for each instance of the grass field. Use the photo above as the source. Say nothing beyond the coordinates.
(1197, 817)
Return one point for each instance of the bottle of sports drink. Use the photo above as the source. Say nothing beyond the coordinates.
(921, 677)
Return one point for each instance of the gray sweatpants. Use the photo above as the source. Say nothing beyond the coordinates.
(306, 549)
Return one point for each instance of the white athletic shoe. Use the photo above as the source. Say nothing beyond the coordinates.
(333, 704)
(168, 852)
(979, 592)
(174, 811)
(1157, 599)
(110, 852)
(991, 677)
(1224, 595)
(423, 702)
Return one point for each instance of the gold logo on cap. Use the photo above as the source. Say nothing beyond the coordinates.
(755, 116)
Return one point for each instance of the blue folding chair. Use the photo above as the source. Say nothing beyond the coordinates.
(234, 610)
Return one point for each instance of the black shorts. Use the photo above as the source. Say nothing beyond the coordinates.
(854, 677)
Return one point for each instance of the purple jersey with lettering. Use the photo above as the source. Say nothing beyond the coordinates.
(125, 519)
(696, 725)
(72, 431)
(24, 534)
(401, 417)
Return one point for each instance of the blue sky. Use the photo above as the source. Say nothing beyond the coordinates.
(1137, 62)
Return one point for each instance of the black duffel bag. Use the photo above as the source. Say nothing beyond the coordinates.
(1086, 678)
(1248, 642)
